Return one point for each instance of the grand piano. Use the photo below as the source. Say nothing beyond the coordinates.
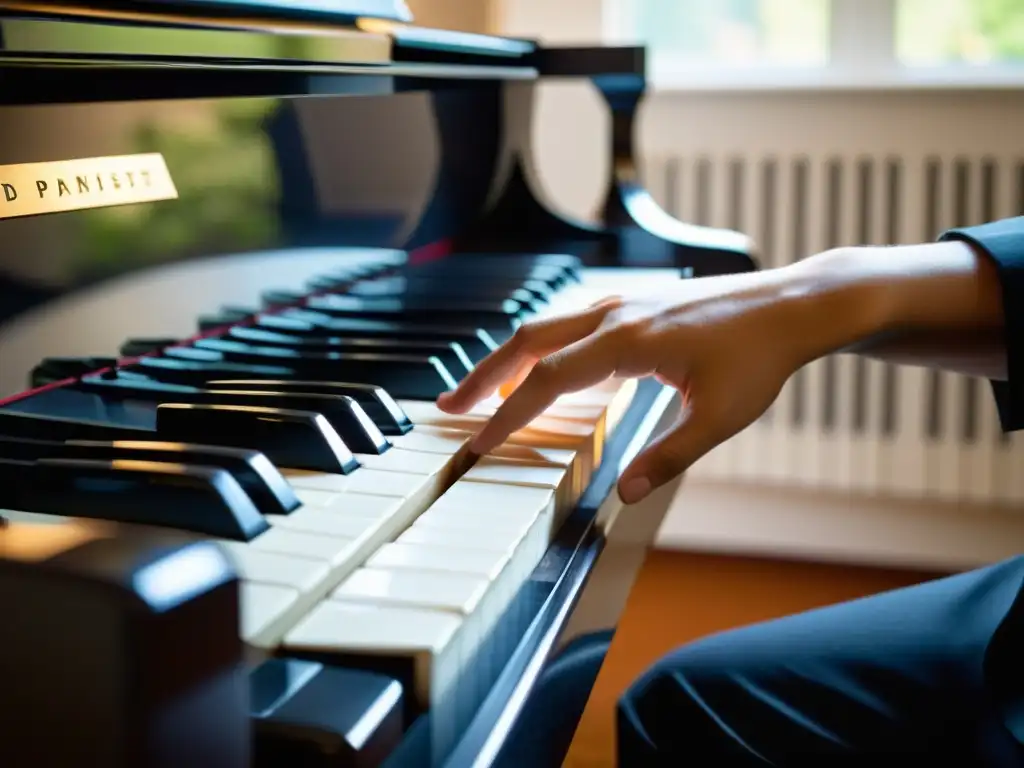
(243, 247)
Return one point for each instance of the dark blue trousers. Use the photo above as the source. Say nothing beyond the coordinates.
(930, 673)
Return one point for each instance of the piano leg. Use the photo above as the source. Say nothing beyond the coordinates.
(632, 231)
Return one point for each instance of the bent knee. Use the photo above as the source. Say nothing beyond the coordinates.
(677, 713)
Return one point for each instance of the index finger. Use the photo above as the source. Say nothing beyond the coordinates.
(530, 343)
(581, 365)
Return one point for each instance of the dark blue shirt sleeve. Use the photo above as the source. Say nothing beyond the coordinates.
(1004, 242)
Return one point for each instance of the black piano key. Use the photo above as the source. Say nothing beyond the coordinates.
(225, 317)
(30, 425)
(455, 290)
(138, 347)
(343, 413)
(53, 369)
(406, 377)
(120, 651)
(476, 342)
(500, 319)
(194, 372)
(191, 354)
(570, 266)
(259, 478)
(378, 404)
(308, 715)
(271, 299)
(451, 354)
(292, 439)
(413, 284)
(472, 268)
(201, 499)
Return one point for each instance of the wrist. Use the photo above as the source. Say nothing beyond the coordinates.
(839, 299)
(855, 296)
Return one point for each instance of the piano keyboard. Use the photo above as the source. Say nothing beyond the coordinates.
(364, 532)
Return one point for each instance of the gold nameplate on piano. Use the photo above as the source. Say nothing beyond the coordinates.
(33, 189)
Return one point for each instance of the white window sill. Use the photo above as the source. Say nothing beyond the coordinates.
(667, 79)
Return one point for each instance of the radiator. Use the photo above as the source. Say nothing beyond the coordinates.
(845, 423)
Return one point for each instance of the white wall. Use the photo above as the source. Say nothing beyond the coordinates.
(721, 513)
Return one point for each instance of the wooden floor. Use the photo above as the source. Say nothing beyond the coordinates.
(680, 596)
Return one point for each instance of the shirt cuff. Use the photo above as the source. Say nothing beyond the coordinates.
(1003, 242)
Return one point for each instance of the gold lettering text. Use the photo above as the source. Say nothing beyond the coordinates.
(72, 185)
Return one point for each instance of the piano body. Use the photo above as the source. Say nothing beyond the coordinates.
(243, 246)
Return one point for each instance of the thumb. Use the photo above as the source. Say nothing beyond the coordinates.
(669, 455)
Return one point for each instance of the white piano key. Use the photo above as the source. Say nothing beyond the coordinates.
(491, 497)
(416, 491)
(427, 439)
(480, 518)
(266, 612)
(484, 538)
(362, 480)
(442, 559)
(559, 457)
(333, 550)
(464, 595)
(525, 537)
(497, 567)
(492, 469)
(468, 597)
(299, 573)
(350, 504)
(329, 523)
(407, 461)
(453, 592)
(423, 639)
(584, 412)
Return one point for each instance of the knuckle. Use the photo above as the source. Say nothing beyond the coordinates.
(545, 373)
(525, 336)
(624, 333)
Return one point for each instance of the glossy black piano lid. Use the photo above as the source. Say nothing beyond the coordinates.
(302, 10)
(268, 190)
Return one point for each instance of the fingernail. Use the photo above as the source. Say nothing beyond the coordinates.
(634, 490)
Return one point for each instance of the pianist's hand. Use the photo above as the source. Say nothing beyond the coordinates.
(727, 343)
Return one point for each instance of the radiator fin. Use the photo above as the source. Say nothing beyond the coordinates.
(847, 423)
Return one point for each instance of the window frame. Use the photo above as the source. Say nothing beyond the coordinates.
(862, 55)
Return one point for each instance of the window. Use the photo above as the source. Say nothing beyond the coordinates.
(841, 42)
(930, 32)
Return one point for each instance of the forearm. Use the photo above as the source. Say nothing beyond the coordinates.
(937, 305)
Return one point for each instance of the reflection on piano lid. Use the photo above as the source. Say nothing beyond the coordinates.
(139, 32)
(251, 356)
(253, 11)
(97, 38)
